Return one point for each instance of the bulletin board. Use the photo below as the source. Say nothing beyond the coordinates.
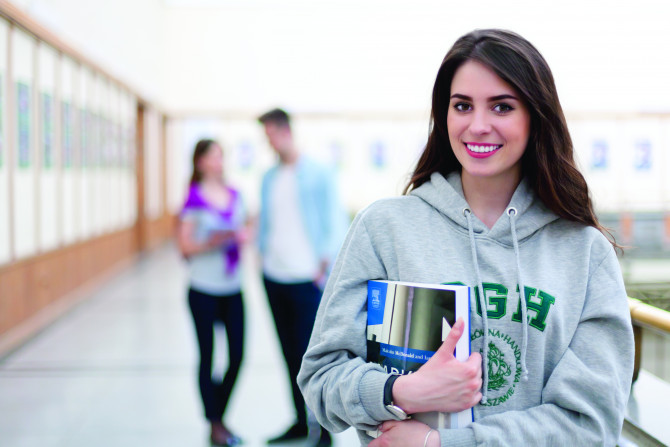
(113, 157)
(83, 99)
(129, 118)
(96, 170)
(49, 176)
(24, 171)
(106, 177)
(70, 196)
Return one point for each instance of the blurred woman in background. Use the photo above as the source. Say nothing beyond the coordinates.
(210, 232)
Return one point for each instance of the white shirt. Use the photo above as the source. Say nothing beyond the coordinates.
(208, 271)
(290, 257)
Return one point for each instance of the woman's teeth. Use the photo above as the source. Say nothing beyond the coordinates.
(483, 148)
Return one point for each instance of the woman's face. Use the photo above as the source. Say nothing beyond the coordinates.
(488, 124)
(210, 163)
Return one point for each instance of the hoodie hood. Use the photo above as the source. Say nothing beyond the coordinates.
(446, 196)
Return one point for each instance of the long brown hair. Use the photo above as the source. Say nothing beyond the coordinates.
(201, 149)
(548, 161)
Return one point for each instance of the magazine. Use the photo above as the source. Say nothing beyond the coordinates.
(407, 323)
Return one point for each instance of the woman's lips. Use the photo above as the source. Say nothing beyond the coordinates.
(482, 150)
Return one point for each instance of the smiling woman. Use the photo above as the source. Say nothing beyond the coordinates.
(496, 202)
(488, 128)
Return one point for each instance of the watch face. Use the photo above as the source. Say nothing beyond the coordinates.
(397, 412)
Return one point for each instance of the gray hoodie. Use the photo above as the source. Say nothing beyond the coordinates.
(562, 379)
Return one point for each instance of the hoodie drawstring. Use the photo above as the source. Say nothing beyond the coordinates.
(482, 303)
(512, 214)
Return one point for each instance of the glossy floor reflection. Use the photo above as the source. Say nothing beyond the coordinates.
(119, 370)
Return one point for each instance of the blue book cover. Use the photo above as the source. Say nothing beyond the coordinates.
(407, 323)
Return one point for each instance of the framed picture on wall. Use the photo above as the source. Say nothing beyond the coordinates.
(23, 124)
(47, 131)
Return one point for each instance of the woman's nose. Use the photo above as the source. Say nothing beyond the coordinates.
(480, 123)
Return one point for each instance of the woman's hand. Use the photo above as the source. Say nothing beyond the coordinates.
(405, 433)
(442, 383)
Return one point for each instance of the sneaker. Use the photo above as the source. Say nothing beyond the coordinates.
(297, 431)
(222, 437)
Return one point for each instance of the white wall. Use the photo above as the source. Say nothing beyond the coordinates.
(125, 37)
(383, 55)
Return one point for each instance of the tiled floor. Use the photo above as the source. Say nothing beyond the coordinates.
(119, 370)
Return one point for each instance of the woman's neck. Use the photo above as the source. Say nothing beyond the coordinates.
(208, 181)
(215, 192)
(488, 197)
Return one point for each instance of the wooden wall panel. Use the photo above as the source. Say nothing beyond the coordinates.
(157, 231)
(31, 285)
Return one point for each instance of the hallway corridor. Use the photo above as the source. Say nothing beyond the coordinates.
(120, 370)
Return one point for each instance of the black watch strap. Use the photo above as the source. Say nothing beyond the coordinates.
(388, 389)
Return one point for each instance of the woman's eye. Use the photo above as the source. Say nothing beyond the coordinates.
(462, 106)
(502, 108)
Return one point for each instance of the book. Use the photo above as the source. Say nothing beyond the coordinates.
(407, 323)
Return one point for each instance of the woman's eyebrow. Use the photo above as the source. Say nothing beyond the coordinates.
(505, 96)
(492, 98)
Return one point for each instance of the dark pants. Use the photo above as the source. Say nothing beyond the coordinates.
(207, 311)
(294, 309)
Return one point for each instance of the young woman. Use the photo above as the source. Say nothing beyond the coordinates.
(211, 226)
(495, 202)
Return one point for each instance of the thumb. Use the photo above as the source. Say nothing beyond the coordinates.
(449, 344)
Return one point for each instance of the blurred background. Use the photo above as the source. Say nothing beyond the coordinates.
(101, 104)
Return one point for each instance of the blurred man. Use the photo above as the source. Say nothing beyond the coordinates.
(301, 227)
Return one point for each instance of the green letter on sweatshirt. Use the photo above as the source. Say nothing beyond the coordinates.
(541, 309)
(498, 299)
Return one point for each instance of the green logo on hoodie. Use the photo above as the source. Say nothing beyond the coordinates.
(504, 365)
(498, 368)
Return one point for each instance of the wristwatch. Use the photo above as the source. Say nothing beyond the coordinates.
(395, 410)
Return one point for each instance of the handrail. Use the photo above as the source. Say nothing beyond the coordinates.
(649, 315)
